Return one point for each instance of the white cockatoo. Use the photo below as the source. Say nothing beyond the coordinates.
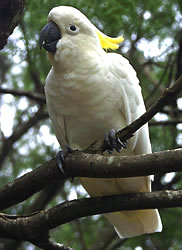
(89, 92)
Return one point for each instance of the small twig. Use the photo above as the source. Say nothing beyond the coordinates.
(20, 93)
(168, 95)
(48, 244)
(18, 132)
(165, 123)
(160, 81)
(118, 244)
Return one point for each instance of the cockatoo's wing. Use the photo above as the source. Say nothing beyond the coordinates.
(128, 223)
(129, 91)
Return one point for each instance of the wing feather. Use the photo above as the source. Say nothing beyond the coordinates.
(132, 100)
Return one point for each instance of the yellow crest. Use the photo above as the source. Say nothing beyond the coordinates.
(109, 42)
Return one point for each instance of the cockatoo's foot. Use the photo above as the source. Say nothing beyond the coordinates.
(60, 158)
(113, 143)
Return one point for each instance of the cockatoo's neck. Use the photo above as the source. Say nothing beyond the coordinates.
(77, 76)
(73, 58)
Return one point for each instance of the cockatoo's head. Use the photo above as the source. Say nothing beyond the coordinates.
(68, 28)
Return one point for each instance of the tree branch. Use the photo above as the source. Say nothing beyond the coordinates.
(165, 123)
(39, 203)
(17, 133)
(10, 13)
(33, 71)
(20, 93)
(35, 227)
(25, 186)
(79, 164)
(168, 96)
(48, 244)
(106, 236)
(127, 132)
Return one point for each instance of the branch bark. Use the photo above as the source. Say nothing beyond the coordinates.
(35, 227)
(25, 186)
(39, 203)
(79, 164)
(10, 13)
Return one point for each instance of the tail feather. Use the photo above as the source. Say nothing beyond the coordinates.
(126, 223)
(133, 223)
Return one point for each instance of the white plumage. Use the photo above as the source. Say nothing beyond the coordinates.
(89, 92)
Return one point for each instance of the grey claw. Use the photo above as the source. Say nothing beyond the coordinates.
(113, 143)
(122, 143)
(60, 158)
(107, 142)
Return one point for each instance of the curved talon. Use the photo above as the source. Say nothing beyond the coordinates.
(60, 158)
(113, 143)
(107, 143)
(68, 150)
(123, 143)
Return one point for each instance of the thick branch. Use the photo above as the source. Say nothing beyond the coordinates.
(23, 187)
(79, 164)
(99, 166)
(35, 227)
(10, 13)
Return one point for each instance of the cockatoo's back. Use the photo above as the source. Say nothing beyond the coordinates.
(89, 92)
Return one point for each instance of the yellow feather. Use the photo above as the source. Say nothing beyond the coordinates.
(109, 42)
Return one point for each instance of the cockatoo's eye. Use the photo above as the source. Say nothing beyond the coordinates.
(72, 29)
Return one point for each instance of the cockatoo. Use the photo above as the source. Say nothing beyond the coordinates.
(90, 92)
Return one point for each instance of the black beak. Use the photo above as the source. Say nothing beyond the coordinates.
(49, 36)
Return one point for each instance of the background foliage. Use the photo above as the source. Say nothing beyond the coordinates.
(153, 45)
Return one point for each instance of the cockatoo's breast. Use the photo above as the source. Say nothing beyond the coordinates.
(84, 97)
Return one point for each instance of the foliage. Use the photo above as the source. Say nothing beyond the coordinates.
(152, 31)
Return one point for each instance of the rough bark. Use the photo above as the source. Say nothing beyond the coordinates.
(35, 228)
(79, 164)
(10, 13)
